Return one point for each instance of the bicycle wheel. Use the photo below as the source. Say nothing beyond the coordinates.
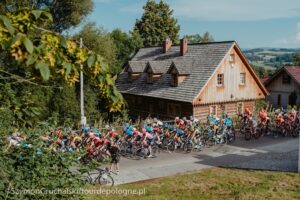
(257, 134)
(106, 179)
(247, 135)
(295, 132)
(171, 145)
(188, 147)
(137, 154)
(89, 179)
(231, 136)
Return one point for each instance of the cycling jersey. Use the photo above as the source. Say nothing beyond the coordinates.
(179, 132)
(129, 131)
(149, 129)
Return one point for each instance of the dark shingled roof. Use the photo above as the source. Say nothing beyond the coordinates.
(136, 66)
(159, 67)
(182, 67)
(200, 62)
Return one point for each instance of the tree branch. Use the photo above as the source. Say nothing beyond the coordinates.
(20, 79)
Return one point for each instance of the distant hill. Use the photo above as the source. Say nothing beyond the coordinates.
(270, 58)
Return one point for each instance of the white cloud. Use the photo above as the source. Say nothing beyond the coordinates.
(228, 10)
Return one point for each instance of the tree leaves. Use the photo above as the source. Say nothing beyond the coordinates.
(91, 60)
(157, 24)
(44, 70)
(55, 56)
(37, 13)
(28, 45)
(68, 68)
(7, 24)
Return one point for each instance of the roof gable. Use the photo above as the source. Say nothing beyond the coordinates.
(231, 89)
(158, 67)
(182, 67)
(135, 66)
(293, 71)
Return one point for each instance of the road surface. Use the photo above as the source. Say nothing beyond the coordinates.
(265, 153)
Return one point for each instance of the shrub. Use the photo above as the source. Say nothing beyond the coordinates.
(37, 168)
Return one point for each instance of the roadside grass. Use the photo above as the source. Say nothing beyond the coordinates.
(215, 183)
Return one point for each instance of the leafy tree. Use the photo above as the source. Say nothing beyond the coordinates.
(197, 38)
(66, 13)
(99, 41)
(157, 24)
(296, 59)
(126, 45)
(33, 166)
(260, 71)
(33, 55)
(65, 104)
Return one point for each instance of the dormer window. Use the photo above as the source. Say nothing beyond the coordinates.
(130, 76)
(174, 80)
(150, 77)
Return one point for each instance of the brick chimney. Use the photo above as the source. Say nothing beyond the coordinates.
(183, 46)
(167, 44)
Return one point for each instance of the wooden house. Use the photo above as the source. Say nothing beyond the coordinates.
(190, 80)
(284, 87)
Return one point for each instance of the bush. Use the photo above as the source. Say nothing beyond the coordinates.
(6, 121)
(37, 168)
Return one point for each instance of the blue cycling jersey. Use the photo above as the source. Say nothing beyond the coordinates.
(149, 129)
(179, 132)
(129, 131)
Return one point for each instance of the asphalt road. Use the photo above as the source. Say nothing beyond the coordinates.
(265, 153)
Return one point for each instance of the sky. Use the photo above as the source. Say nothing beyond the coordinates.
(252, 23)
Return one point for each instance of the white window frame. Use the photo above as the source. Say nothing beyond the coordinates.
(220, 77)
(243, 78)
(232, 58)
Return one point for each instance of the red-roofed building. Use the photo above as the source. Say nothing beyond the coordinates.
(284, 87)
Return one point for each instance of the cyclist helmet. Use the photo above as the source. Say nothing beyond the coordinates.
(159, 123)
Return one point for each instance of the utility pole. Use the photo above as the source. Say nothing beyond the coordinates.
(82, 117)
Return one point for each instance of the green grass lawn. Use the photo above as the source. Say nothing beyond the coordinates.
(215, 183)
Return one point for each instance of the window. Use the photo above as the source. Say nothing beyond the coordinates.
(174, 81)
(129, 76)
(232, 58)
(220, 80)
(279, 100)
(239, 107)
(286, 79)
(242, 78)
(174, 109)
(213, 110)
(150, 77)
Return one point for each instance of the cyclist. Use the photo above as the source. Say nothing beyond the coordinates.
(148, 140)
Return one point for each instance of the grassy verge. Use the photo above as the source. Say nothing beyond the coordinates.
(216, 183)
